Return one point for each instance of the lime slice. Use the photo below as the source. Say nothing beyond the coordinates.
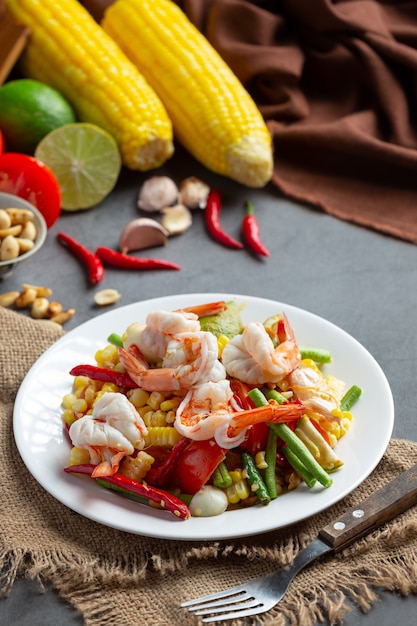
(85, 160)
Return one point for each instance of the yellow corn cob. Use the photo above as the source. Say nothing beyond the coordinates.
(213, 115)
(69, 51)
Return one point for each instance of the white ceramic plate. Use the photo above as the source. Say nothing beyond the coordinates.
(45, 448)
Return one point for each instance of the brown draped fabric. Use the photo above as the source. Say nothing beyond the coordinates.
(336, 82)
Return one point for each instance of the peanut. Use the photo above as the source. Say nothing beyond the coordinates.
(9, 298)
(26, 298)
(29, 231)
(5, 221)
(20, 216)
(39, 308)
(9, 249)
(41, 292)
(63, 317)
(12, 230)
(54, 308)
(106, 297)
(24, 244)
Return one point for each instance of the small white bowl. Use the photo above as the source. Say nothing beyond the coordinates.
(7, 201)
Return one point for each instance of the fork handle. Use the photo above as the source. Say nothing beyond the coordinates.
(389, 501)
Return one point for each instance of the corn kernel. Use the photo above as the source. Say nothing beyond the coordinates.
(155, 418)
(67, 400)
(172, 403)
(79, 406)
(136, 467)
(222, 341)
(79, 456)
(68, 416)
(109, 387)
(107, 356)
(138, 397)
(260, 461)
(155, 399)
(162, 436)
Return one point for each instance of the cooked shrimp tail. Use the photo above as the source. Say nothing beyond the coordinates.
(273, 412)
(201, 310)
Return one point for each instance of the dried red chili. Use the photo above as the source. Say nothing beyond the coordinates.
(127, 485)
(212, 219)
(93, 264)
(251, 232)
(104, 375)
(125, 261)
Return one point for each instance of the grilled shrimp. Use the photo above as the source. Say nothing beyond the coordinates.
(252, 357)
(209, 410)
(112, 431)
(320, 398)
(153, 337)
(190, 358)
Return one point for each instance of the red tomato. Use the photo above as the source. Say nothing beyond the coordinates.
(1, 143)
(32, 180)
(197, 463)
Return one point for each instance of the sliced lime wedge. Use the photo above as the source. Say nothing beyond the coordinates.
(85, 160)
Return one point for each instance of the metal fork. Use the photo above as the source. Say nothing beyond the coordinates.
(261, 594)
(255, 596)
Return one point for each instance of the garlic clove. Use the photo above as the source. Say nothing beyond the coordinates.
(156, 193)
(176, 219)
(193, 193)
(142, 233)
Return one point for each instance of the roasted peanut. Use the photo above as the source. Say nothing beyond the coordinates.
(41, 291)
(9, 298)
(106, 297)
(54, 308)
(28, 231)
(63, 317)
(39, 308)
(9, 249)
(26, 298)
(24, 244)
(20, 216)
(12, 230)
(5, 221)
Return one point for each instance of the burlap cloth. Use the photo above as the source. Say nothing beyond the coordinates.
(114, 577)
(336, 80)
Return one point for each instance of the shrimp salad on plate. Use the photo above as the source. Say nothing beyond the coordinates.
(196, 413)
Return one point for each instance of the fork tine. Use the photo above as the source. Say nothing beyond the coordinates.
(239, 606)
(224, 604)
(234, 614)
(215, 596)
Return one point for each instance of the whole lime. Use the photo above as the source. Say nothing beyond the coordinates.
(29, 110)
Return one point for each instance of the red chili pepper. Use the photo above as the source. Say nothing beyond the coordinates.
(92, 262)
(104, 375)
(118, 259)
(251, 232)
(124, 484)
(165, 473)
(212, 217)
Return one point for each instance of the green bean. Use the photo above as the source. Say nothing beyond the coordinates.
(350, 397)
(271, 461)
(255, 479)
(115, 339)
(221, 476)
(319, 355)
(273, 394)
(299, 467)
(300, 449)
